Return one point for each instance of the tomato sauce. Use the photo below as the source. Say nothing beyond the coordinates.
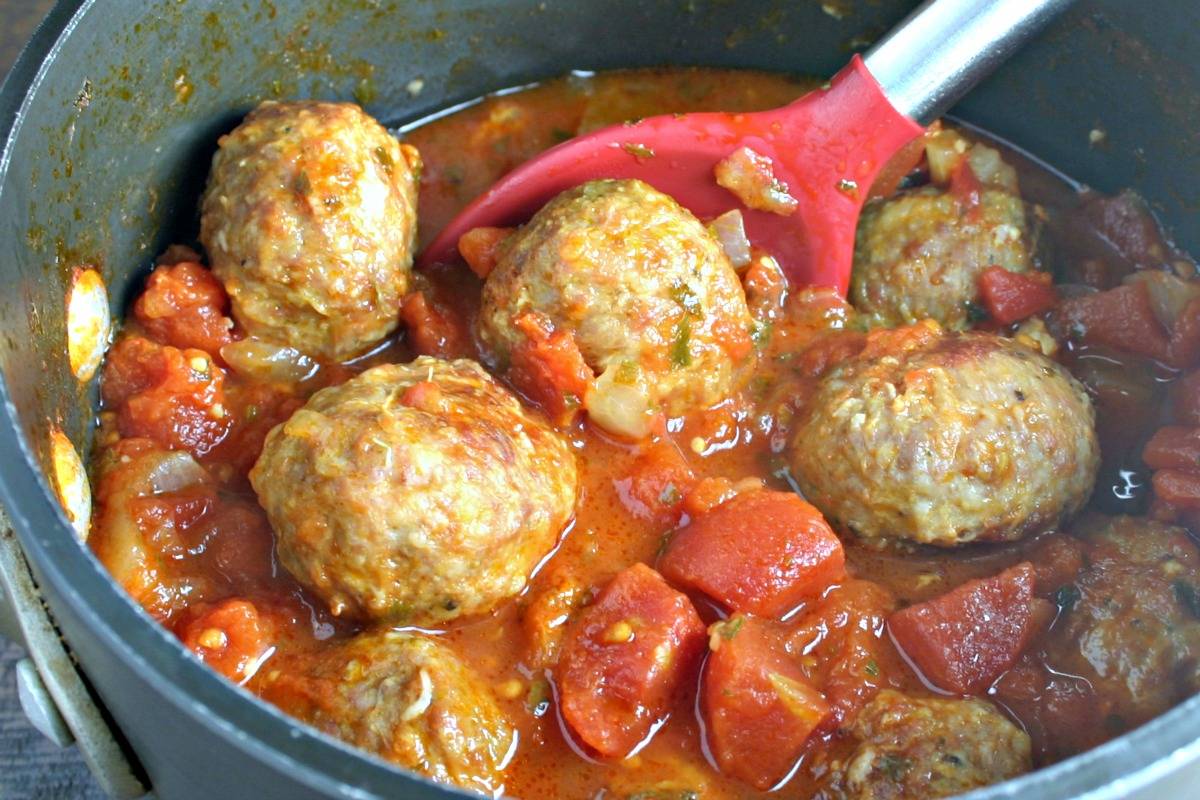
(215, 547)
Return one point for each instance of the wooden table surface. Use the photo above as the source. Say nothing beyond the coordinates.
(31, 767)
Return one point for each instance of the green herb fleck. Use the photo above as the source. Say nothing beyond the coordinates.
(871, 668)
(1067, 596)
(895, 766)
(537, 700)
(848, 186)
(560, 135)
(251, 413)
(639, 151)
(664, 542)
(681, 352)
(1188, 597)
(760, 333)
(384, 158)
(669, 496)
(687, 299)
(730, 629)
(976, 313)
(364, 92)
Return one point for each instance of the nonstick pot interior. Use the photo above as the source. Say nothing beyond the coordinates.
(112, 115)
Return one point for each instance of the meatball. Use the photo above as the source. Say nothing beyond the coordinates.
(415, 492)
(646, 291)
(404, 697)
(920, 748)
(919, 255)
(944, 437)
(309, 220)
(1132, 620)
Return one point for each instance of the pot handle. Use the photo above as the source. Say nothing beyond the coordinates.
(52, 693)
(945, 47)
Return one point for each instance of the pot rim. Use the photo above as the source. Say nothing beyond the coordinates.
(1113, 770)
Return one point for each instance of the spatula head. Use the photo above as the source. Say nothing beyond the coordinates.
(827, 149)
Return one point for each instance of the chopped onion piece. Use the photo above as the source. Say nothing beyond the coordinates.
(1169, 294)
(265, 361)
(944, 150)
(730, 230)
(990, 168)
(751, 177)
(619, 405)
(176, 470)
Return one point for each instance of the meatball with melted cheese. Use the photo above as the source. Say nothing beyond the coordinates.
(647, 293)
(943, 438)
(415, 492)
(922, 748)
(404, 697)
(1131, 620)
(919, 254)
(309, 220)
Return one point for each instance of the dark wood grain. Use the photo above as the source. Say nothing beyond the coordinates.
(31, 767)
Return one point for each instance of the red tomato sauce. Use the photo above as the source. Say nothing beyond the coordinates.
(213, 578)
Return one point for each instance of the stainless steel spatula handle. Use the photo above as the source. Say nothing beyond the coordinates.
(945, 47)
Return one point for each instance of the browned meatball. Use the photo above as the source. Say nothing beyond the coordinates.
(648, 294)
(914, 748)
(919, 254)
(415, 492)
(943, 438)
(404, 697)
(1132, 620)
(309, 220)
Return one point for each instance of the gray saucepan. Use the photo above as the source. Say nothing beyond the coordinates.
(108, 122)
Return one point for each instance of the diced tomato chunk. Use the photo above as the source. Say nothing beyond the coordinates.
(761, 552)
(256, 408)
(759, 709)
(1060, 712)
(1180, 488)
(1013, 296)
(841, 644)
(1057, 561)
(175, 397)
(1122, 318)
(554, 599)
(548, 367)
(965, 639)
(434, 330)
(230, 637)
(184, 305)
(481, 248)
(1173, 447)
(708, 493)
(658, 481)
(766, 288)
(966, 188)
(625, 660)
(1185, 337)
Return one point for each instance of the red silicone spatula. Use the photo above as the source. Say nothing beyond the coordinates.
(827, 147)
